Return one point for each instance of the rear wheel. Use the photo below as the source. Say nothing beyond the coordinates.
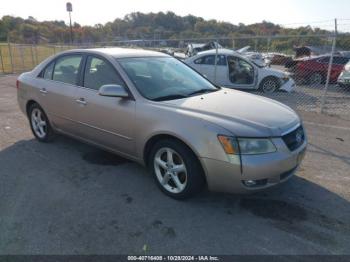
(316, 79)
(40, 124)
(176, 169)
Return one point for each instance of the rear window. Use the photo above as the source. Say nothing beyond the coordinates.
(67, 68)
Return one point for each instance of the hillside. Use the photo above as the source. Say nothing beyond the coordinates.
(153, 26)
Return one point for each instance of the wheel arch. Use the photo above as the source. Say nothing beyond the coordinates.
(157, 137)
(32, 102)
(29, 104)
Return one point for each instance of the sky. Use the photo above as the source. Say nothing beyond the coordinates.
(290, 13)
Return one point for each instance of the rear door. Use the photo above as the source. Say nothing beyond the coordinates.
(206, 65)
(58, 88)
(107, 121)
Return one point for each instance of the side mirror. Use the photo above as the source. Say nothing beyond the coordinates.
(113, 91)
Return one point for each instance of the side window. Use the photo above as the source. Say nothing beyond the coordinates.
(210, 60)
(221, 60)
(340, 60)
(98, 73)
(48, 71)
(324, 60)
(67, 68)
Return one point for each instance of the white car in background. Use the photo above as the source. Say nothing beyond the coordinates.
(236, 71)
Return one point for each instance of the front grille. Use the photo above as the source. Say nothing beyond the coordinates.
(294, 139)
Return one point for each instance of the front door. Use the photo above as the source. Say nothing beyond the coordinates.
(241, 73)
(107, 121)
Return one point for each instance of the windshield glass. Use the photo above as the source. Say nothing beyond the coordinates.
(164, 78)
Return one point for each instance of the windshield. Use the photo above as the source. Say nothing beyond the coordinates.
(165, 78)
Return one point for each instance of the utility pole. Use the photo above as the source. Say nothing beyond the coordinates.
(69, 10)
(330, 64)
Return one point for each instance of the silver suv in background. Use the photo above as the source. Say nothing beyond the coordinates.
(151, 108)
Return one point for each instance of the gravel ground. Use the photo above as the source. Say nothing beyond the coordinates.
(66, 197)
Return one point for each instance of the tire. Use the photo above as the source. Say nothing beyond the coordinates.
(269, 85)
(40, 124)
(315, 79)
(180, 176)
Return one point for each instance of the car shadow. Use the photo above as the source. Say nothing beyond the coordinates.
(66, 194)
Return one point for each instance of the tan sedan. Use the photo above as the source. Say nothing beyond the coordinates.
(153, 109)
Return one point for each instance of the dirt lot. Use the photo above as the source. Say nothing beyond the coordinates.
(70, 198)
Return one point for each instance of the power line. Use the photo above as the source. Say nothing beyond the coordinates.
(308, 23)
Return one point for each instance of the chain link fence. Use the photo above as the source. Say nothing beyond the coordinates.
(316, 63)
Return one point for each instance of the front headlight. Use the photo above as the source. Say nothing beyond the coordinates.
(246, 146)
(285, 77)
(255, 146)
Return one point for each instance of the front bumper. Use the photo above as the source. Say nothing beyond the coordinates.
(344, 80)
(288, 86)
(268, 169)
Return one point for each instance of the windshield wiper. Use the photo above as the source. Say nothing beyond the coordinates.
(202, 91)
(169, 97)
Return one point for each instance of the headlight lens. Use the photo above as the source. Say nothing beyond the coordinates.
(246, 146)
(255, 146)
(285, 77)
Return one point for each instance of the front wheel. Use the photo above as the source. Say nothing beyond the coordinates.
(269, 85)
(40, 124)
(176, 169)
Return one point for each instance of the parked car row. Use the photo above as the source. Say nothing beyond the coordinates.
(254, 73)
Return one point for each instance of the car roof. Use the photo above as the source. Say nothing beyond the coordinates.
(221, 51)
(118, 52)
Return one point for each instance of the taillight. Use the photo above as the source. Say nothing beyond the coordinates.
(17, 83)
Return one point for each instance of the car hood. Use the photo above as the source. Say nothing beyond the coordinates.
(241, 113)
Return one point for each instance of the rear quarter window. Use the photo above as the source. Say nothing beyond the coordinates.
(47, 72)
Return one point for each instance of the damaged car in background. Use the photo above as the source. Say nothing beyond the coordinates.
(195, 48)
(233, 70)
(313, 70)
(256, 57)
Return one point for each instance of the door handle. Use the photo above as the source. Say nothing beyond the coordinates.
(81, 101)
(43, 90)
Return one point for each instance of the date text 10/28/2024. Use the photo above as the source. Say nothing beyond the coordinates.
(173, 258)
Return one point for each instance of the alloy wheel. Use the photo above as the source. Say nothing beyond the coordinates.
(39, 123)
(270, 86)
(170, 170)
